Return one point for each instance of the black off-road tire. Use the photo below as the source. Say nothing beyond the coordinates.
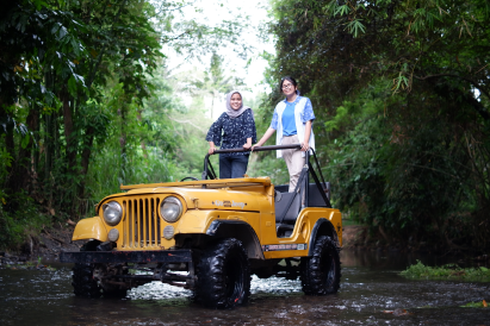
(84, 284)
(320, 273)
(102, 271)
(223, 275)
(85, 277)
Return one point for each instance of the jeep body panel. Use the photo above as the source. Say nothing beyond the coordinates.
(309, 222)
(90, 228)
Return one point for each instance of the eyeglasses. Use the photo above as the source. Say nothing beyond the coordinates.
(286, 86)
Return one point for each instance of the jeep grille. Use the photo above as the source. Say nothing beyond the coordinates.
(142, 228)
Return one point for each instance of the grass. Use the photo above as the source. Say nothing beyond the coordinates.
(446, 273)
(477, 304)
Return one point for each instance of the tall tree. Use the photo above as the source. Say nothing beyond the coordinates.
(57, 57)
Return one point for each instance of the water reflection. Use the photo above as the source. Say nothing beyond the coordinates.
(371, 293)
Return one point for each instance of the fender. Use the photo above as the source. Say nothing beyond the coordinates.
(241, 231)
(322, 227)
(90, 228)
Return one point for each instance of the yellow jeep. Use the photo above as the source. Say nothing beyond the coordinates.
(210, 236)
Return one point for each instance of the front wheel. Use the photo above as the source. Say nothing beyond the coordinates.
(95, 280)
(320, 273)
(84, 284)
(223, 275)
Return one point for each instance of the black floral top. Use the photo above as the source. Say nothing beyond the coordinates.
(233, 133)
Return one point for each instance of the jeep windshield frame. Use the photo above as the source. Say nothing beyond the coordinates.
(303, 187)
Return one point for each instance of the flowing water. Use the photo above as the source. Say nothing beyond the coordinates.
(372, 293)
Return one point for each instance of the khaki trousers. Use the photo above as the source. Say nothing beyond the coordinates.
(294, 160)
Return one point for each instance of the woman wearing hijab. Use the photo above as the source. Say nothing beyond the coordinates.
(235, 128)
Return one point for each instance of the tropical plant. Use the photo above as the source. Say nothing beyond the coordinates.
(77, 98)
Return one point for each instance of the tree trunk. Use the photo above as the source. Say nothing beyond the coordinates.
(25, 170)
(71, 152)
(86, 153)
(71, 175)
(122, 141)
(10, 181)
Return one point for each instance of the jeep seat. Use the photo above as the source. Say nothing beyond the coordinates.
(287, 207)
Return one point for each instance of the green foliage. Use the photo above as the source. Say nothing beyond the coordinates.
(17, 227)
(151, 166)
(268, 165)
(400, 92)
(6, 160)
(61, 59)
(137, 147)
(408, 181)
(420, 271)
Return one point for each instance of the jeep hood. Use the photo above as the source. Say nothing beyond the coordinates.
(243, 194)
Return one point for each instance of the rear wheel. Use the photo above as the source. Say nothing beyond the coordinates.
(223, 275)
(320, 273)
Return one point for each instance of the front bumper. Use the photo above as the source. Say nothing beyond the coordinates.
(148, 256)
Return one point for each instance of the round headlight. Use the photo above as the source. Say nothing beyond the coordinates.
(171, 209)
(112, 213)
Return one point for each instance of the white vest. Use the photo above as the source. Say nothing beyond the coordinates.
(300, 126)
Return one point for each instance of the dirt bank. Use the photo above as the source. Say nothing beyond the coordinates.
(353, 236)
(46, 246)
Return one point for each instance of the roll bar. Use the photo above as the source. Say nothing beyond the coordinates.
(308, 169)
(208, 168)
(257, 149)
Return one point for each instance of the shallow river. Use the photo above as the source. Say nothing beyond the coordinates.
(371, 293)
